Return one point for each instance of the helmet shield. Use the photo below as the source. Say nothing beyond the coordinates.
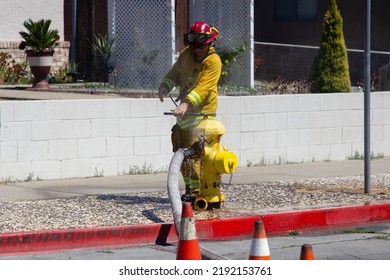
(197, 38)
(200, 34)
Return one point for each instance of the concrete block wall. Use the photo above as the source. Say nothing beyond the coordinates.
(277, 129)
(54, 139)
(80, 138)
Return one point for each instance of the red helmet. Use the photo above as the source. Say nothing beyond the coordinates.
(201, 34)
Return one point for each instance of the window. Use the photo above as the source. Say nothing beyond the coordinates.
(295, 9)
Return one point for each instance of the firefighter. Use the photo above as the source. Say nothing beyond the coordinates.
(196, 74)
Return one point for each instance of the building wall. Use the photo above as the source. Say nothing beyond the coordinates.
(54, 139)
(60, 56)
(17, 12)
(91, 20)
(309, 32)
(293, 63)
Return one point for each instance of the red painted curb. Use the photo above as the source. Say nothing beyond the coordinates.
(326, 218)
(217, 229)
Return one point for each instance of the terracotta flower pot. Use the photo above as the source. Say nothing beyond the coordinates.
(40, 64)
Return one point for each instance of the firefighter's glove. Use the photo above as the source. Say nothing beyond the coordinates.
(162, 91)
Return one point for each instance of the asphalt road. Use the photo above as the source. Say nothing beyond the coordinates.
(368, 242)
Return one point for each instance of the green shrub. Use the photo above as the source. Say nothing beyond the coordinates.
(330, 68)
(12, 72)
(102, 44)
(227, 58)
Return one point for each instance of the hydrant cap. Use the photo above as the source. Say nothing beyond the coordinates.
(209, 128)
(226, 162)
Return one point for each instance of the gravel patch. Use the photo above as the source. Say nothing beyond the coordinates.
(154, 207)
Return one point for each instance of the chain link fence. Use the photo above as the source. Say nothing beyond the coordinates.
(145, 38)
(234, 21)
(144, 49)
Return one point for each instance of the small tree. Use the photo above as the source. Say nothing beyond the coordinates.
(330, 70)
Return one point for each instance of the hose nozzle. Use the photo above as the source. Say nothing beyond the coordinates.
(195, 150)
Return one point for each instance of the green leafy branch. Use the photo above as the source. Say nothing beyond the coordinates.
(230, 56)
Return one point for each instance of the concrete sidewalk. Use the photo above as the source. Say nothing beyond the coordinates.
(34, 190)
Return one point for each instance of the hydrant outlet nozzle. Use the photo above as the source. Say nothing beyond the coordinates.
(201, 204)
(226, 162)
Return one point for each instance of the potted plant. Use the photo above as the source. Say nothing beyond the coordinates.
(103, 47)
(72, 71)
(39, 43)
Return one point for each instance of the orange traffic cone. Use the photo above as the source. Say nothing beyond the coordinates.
(307, 252)
(259, 245)
(188, 247)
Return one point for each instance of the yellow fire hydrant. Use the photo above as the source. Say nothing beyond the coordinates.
(215, 161)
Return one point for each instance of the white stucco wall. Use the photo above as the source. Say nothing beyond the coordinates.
(14, 12)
